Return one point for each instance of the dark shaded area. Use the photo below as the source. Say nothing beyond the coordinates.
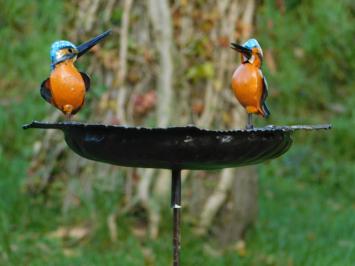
(176, 147)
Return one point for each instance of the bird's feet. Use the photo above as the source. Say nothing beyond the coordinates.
(249, 123)
(67, 110)
(68, 117)
(249, 126)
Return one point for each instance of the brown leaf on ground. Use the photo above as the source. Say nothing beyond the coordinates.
(240, 247)
(149, 258)
(139, 230)
(66, 232)
(70, 252)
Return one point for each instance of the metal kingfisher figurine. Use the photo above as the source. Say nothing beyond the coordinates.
(248, 83)
(66, 86)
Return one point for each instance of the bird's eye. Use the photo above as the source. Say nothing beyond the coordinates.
(70, 50)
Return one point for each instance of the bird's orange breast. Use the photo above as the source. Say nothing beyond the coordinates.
(67, 87)
(247, 87)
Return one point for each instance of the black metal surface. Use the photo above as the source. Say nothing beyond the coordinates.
(176, 188)
(176, 147)
(176, 205)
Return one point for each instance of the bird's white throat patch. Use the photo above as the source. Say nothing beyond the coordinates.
(252, 59)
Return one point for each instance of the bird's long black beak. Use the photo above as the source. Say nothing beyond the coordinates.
(83, 48)
(241, 49)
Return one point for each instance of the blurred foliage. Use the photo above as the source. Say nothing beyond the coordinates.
(307, 196)
(25, 39)
(311, 81)
(314, 57)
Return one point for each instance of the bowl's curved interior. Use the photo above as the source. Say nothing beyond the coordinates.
(175, 147)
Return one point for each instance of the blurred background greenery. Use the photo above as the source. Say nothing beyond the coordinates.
(306, 199)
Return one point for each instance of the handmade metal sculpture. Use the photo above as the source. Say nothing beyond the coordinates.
(174, 148)
(248, 83)
(66, 86)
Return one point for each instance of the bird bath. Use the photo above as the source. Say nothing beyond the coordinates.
(176, 148)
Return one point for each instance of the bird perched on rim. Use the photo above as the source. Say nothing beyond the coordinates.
(66, 86)
(248, 82)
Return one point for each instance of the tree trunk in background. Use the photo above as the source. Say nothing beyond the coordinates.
(232, 206)
(166, 63)
(240, 208)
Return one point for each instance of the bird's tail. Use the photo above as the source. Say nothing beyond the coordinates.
(265, 111)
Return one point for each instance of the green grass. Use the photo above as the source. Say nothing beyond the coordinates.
(302, 221)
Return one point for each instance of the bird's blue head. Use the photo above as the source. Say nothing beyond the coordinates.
(250, 50)
(61, 51)
(253, 43)
(65, 50)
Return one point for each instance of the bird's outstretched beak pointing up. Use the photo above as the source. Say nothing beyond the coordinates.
(247, 52)
(83, 48)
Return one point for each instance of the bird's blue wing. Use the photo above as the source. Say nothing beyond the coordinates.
(45, 90)
(265, 90)
(263, 98)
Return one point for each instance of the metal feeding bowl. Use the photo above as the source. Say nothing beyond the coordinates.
(176, 147)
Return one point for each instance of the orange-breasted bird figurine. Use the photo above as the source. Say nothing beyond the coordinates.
(66, 86)
(248, 82)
